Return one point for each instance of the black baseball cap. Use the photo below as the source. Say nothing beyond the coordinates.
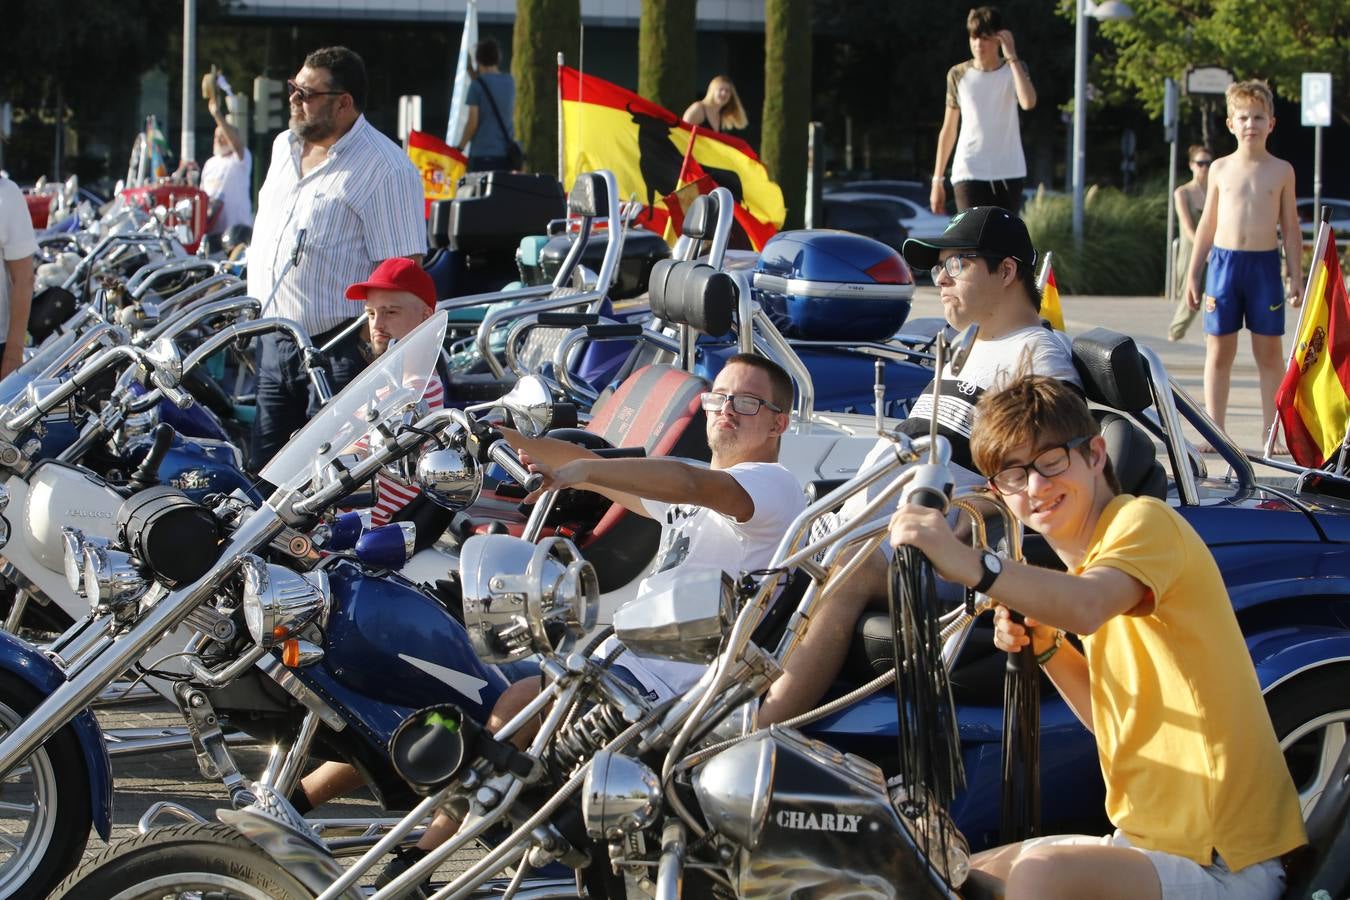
(991, 230)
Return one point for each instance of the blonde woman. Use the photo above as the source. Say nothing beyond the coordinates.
(720, 109)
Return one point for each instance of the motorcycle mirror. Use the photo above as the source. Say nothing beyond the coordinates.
(960, 348)
(448, 477)
(531, 405)
(164, 356)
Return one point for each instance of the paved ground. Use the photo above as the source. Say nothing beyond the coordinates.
(1146, 320)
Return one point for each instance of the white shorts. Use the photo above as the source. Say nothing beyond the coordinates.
(1183, 879)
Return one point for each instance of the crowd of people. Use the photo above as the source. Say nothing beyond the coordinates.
(1156, 668)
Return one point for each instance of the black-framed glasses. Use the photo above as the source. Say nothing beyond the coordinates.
(306, 94)
(953, 265)
(742, 404)
(1049, 463)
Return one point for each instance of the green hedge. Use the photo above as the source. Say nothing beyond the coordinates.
(1124, 241)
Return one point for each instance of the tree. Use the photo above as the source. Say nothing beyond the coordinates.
(1272, 39)
(543, 28)
(787, 99)
(665, 53)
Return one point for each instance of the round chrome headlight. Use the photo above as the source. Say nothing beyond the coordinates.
(278, 602)
(110, 576)
(521, 598)
(451, 478)
(73, 542)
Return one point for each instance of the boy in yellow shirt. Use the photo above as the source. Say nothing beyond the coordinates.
(1196, 786)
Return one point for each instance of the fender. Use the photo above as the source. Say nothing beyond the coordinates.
(1283, 653)
(30, 665)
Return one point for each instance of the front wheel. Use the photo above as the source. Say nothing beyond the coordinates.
(1311, 715)
(44, 804)
(185, 861)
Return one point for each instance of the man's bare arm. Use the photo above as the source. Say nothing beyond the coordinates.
(1204, 237)
(470, 127)
(20, 301)
(661, 480)
(231, 133)
(951, 122)
(1292, 233)
(554, 454)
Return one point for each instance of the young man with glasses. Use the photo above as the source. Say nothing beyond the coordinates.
(1196, 786)
(730, 515)
(339, 197)
(983, 267)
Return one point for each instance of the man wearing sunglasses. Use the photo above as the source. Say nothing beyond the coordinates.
(339, 197)
(983, 266)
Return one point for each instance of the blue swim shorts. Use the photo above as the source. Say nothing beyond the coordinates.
(1244, 285)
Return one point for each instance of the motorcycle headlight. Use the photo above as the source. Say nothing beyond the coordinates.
(521, 598)
(73, 542)
(278, 602)
(110, 576)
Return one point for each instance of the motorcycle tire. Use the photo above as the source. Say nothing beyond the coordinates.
(211, 860)
(1311, 715)
(46, 805)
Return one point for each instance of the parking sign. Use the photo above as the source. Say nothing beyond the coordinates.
(1317, 99)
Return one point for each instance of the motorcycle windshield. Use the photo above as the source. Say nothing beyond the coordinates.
(395, 381)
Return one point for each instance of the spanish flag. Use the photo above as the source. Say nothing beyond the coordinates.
(1051, 310)
(1312, 401)
(644, 145)
(440, 164)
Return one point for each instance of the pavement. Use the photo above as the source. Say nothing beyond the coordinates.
(1146, 319)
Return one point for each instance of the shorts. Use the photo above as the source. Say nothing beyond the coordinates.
(1183, 879)
(1006, 192)
(1244, 285)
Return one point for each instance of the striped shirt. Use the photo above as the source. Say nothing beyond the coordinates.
(391, 494)
(361, 205)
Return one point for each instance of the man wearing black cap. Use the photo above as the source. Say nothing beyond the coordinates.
(983, 267)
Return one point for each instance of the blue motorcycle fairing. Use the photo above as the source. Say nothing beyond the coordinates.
(1283, 653)
(194, 421)
(30, 665)
(197, 466)
(391, 650)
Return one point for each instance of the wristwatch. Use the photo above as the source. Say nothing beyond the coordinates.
(992, 566)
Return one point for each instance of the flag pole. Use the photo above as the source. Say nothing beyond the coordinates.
(561, 135)
(1319, 248)
(1045, 271)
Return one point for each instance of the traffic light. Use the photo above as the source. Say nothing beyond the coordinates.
(269, 105)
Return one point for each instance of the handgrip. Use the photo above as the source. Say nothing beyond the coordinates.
(501, 453)
(566, 320)
(625, 330)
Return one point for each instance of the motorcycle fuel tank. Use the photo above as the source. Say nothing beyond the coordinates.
(392, 644)
(60, 495)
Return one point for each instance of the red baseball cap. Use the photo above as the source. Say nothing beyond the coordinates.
(397, 274)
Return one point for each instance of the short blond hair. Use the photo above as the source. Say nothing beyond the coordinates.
(1252, 91)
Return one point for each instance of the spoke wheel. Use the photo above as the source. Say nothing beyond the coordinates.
(1312, 721)
(44, 822)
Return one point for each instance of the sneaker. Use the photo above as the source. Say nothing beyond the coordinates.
(403, 861)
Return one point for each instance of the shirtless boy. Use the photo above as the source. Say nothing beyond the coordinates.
(1250, 194)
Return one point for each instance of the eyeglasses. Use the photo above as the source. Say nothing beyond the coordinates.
(953, 265)
(1202, 163)
(306, 94)
(742, 404)
(1049, 463)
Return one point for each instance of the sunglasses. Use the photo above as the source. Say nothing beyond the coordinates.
(307, 94)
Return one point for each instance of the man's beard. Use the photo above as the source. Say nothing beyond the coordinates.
(314, 128)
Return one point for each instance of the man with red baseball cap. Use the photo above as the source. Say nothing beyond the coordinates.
(399, 295)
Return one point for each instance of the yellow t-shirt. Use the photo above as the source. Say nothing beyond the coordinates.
(1189, 756)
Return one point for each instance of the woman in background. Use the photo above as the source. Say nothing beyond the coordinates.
(720, 109)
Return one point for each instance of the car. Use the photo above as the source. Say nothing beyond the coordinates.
(1340, 216)
(911, 190)
(917, 220)
(869, 219)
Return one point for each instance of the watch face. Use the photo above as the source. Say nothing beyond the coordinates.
(993, 562)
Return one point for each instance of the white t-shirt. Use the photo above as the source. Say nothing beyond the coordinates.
(1035, 350)
(16, 241)
(704, 537)
(226, 178)
(989, 147)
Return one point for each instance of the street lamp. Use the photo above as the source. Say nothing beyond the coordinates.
(1111, 9)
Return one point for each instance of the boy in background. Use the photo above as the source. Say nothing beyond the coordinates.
(1250, 194)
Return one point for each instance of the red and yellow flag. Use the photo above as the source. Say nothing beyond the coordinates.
(1312, 401)
(440, 164)
(644, 145)
(1051, 310)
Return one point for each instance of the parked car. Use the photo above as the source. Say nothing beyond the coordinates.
(1340, 216)
(916, 219)
(861, 216)
(913, 191)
